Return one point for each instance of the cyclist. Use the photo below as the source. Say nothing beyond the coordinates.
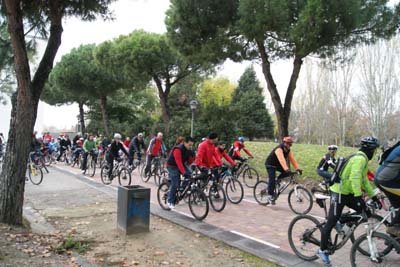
(156, 148)
(89, 147)
(75, 139)
(136, 146)
(237, 146)
(180, 157)
(387, 179)
(278, 160)
(205, 158)
(220, 153)
(349, 191)
(127, 141)
(113, 154)
(327, 161)
(78, 148)
(65, 144)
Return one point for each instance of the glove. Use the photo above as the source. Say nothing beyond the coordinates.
(378, 204)
(187, 175)
(299, 171)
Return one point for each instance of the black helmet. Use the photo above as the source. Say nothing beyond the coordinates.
(369, 142)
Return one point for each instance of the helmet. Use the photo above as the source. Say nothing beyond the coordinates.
(288, 139)
(117, 136)
(241, 139)
(369, 142)
(333, 147)
(81, 139)
(140, 135)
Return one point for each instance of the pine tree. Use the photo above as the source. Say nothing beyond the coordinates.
(251, 115)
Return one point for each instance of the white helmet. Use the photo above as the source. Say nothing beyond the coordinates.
(117, 136)
(333, 147)
(140, 135)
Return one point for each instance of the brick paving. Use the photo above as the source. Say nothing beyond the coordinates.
(267, 224)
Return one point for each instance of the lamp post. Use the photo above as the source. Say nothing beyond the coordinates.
(193, 106)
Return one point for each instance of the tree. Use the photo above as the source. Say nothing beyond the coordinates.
(216, 91)
(213, 30)
(45, 18)
(149, 56)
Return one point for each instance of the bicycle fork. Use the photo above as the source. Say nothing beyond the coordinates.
(372, 246)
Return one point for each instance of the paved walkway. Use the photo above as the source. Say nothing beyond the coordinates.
(267, 225)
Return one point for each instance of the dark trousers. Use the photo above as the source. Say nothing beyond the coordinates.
(149, 159)
(85, 156)
(272, 178)
(335, 211)
(110, 161)
(394, 199)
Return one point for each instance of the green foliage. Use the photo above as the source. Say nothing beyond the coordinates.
(72, 244)
(216, 91)
(249, 111)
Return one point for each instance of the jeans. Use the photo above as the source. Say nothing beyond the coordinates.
(325, 174)
(272, 179)
(175, 177)
(132, 156)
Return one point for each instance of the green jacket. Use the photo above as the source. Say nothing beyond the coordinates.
(354, 177)
(89, 145)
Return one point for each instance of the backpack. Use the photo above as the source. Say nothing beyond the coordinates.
(386, 153)
(340, 165)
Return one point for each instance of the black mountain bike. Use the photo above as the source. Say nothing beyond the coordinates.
(192, 192)
(249, 175)
(233, 187)
(119, 170)
(300, 199)
(157, 170)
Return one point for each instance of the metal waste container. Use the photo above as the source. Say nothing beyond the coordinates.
(133, 214)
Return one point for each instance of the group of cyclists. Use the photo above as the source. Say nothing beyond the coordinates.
(212, 154)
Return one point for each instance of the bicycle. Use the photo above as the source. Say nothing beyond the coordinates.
(157, 170)
(91, 163)
(34, 170)
(299, 198)
(213, 190)
(233, 187)
(377, 244)
(197, 200)
(124, 176)
(249, 175)
(304, 233)
(77, 161)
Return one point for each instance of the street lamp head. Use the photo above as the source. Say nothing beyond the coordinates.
(193, 104)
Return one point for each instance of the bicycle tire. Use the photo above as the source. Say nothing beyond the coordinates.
(377, 218)
(162, 195)
(144, 178)
(124, 177)
(92, 168)
(316, 226)
(387, 241)
(39, 179)
(260, 193)
(104, 175)
(197, 198)
(306, 197)
(217, 197)
(250, 177)
(234, 191)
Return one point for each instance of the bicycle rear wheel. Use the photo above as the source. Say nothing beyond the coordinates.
(162, 195)
(234, 190)
(260, 193)
(92, 167)
(104, 174)
(304, 235)
(145, 178)
(198, 204)
(217, 197)
(300, 200)
(380, 242)
(124, 177)
(35, 174)
(250, 177)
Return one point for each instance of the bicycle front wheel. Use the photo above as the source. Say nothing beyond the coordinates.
(35, 174)
(217, 197)
(234, 191)
(250, 177)
(260, 193)
(198, 204)
(104, 174)
(379, 243)
(300, 200)
(145, 178)
(124, 177)
(304, 235)
(92, 168)
(162, 195)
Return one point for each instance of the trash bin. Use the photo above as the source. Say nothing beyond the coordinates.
(133, 214)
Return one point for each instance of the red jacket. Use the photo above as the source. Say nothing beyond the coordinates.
(237, 146)
(126, 143)
(222, 154)
(206, 155)
(155, 147)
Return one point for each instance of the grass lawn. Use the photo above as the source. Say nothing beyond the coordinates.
(308, 156)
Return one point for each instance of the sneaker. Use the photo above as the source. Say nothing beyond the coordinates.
(83, 171)
(171, 206)
(271, 199)
(393, 230)
(323, 255)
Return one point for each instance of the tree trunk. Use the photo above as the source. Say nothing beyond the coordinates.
(163, 95)
(24, 108)
(103, 107)
(82, 117)
(282, 111)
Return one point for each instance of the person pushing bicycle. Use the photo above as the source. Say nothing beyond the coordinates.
(278, 160)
